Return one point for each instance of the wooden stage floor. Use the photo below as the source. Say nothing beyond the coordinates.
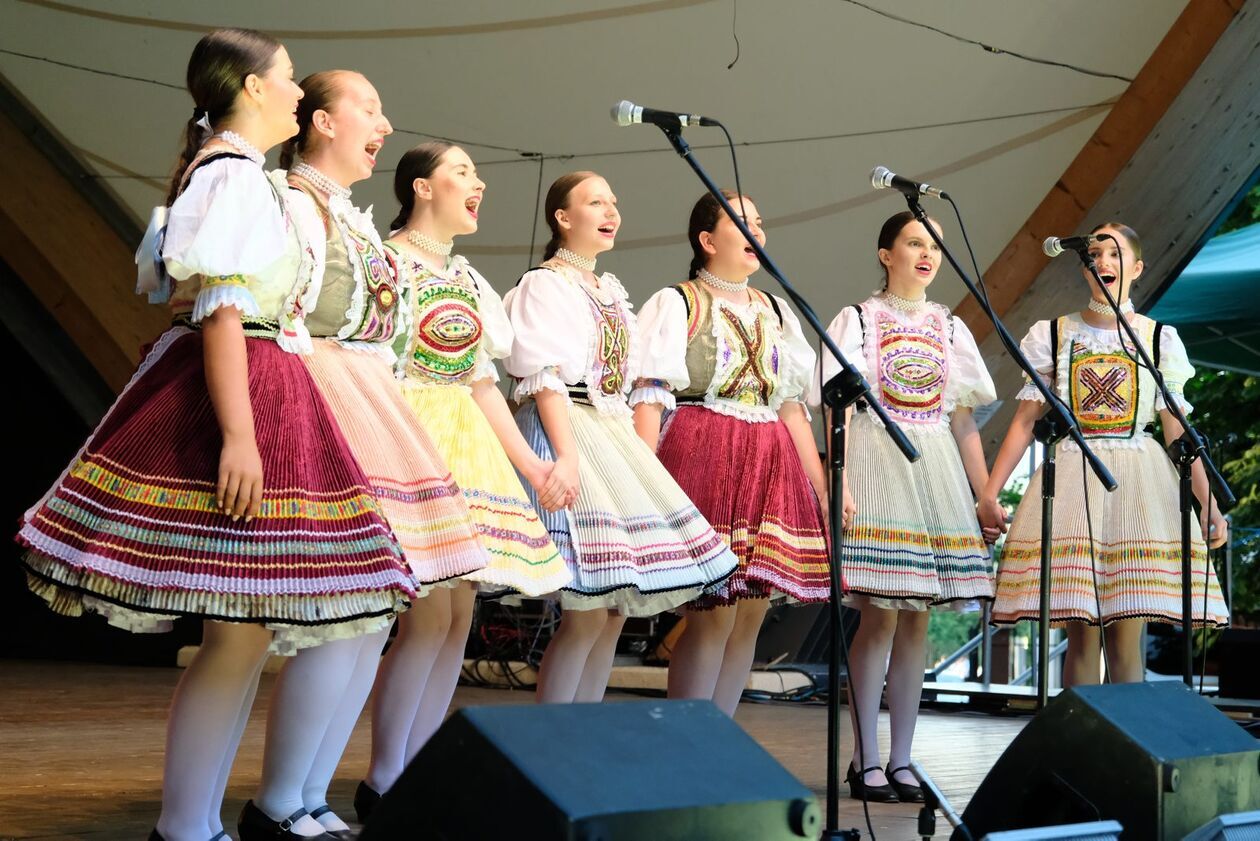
(81, 751)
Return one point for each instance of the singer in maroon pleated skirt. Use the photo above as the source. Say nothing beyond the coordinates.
(747, 480)
(131, 529)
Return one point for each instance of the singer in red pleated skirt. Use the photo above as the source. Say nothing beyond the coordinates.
(747, 480)
(131, 529)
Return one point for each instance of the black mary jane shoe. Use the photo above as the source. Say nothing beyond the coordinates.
(859, 789)
(906, 792)
(255, 825)
(365, 800)
(339, 834)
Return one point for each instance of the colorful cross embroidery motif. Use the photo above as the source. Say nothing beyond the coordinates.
(912, 368)
(381, 302)
(446, 328)
(752, 362)
(614, 347)
(1104, 392)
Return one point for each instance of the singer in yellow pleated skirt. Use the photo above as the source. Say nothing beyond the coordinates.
(449, 352)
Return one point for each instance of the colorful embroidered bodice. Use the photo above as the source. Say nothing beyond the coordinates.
(612, 348)
(734, 352)
(446, 328)
(1104, 387)
(912, 364)
(359, 296)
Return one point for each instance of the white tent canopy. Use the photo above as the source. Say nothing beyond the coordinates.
(821, 92)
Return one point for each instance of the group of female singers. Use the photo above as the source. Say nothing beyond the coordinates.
(318, 447)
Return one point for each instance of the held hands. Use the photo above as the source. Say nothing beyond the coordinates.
(1215, 528)
(240, 487)
(992, 517)
(850, 507)
(560, 488)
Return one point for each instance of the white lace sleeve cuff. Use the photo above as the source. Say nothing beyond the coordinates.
(547, 378)
(1028, 392)
(485, 369)
(653, 394)
(219, 292)
(1183, 404)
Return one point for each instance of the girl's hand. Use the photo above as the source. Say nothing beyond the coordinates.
(850, 507)
(240, 487)
(992, 517)
(561, 487)
(1215, 528)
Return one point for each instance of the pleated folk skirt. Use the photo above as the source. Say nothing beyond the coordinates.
(522, 556)
(632, 540)
(405, 471)
(915, 540)
(131, 530)
(1135, 569)
(747, 480)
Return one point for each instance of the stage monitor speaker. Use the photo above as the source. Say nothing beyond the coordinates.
(1244, 826)
(1092, 831)
(660, 770)
(1154, 756)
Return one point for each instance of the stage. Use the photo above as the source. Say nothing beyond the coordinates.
(82, 748)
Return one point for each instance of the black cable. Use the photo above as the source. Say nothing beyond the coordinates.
(984, 292)
(109, 73)
(988, 47)
(739, 190)
(734, 33)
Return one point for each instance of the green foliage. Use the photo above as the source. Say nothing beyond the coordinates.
(1246, 213)
(1227, 411)
(947, 631)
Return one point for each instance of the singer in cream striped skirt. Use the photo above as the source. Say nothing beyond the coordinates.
(633, 541)
(1115, 557)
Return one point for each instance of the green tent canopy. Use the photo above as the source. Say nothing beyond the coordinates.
(1215, 303)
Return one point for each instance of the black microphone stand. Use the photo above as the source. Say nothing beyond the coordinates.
(1184, 452)
(1056, 424)
(839, 393)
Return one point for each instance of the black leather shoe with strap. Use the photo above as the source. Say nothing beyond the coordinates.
(906, 792)
(255, 825)
(859, 789)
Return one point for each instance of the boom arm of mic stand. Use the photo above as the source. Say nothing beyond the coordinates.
(1225, 499)
(855, 387)
(1059, 417)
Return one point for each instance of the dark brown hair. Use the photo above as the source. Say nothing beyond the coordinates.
(558, 199)
(417, 162)
(217, 70)
(320, 90)
(705, 215)
(888, 234)
(1125, 231)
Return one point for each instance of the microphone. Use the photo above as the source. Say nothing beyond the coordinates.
(625, 113)
(1054, 246)
(882, 176)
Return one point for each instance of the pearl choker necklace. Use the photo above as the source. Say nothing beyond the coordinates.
(577, 261)
(424, 242)
(1105, 309)
(242, 145)
(321, 181)
(724, 285)
(904, 304)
